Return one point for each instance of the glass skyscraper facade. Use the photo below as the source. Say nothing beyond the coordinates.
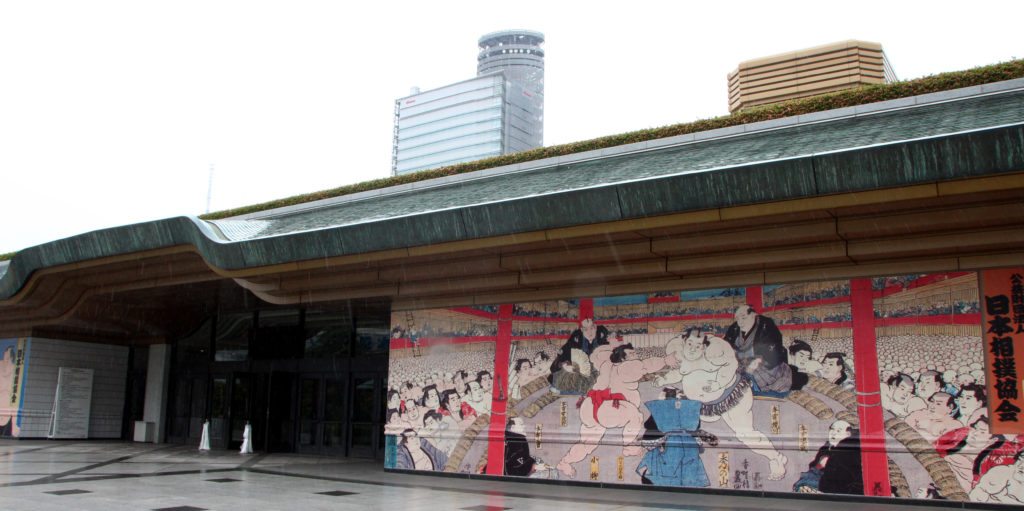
(500, 111)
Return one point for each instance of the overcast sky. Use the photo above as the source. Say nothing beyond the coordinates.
(113, 112)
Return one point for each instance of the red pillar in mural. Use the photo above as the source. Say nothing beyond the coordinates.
(586, 308)
(869, 398)
(755, 299)
(499, 393)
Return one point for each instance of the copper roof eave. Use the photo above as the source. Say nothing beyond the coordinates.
(939, 226)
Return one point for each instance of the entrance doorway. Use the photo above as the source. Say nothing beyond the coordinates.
(321, 415)
(366, 426)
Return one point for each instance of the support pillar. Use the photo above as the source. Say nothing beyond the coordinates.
(158, 373)
(869, 398)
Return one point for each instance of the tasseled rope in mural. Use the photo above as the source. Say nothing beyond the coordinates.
(466, 442)
(815, 406)
(528, 390)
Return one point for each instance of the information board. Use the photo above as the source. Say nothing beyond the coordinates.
(71, 405)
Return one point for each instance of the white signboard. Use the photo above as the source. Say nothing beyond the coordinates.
(70, 417)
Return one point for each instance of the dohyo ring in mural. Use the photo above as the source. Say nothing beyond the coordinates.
(900, 386)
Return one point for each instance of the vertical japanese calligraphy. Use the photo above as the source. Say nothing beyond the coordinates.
(1003, 326)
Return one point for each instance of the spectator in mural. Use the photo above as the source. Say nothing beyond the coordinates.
(518, 461)
(937, 419)
(833, 370)
(416, 453)
(540, 361)
(520, 373)
(836, 468)
(673, 456)
(479, 400)
(485, 381)
(898, 396)
(572, 371)
(431, 399)
(802, 364)
(393, 423)
(614, 402)
(952, 386)
(971, 403)
(409, 414)
(708, 371)
(438, 432)
(758, 345)
(973, 451)
(1002, 485)
(964, 377)
(962, 447)
(928, 383)
(453, 406)
(407, 391)
(394, 400)
(459, 380)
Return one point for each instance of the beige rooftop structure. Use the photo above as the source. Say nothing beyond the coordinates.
(808, 72)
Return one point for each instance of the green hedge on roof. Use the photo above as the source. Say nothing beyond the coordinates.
(851, 97)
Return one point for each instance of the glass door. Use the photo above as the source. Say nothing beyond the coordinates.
(366, 437)
(321, 424)
(333, 427)
(219, 411)
(240, 408)
(309, 414)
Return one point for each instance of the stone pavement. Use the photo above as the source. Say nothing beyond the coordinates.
(102, 475)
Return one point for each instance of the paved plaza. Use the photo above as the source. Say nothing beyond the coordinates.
(101, 475)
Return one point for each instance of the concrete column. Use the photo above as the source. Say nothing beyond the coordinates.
(158, 374)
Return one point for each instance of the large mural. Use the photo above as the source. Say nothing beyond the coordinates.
(863, 387)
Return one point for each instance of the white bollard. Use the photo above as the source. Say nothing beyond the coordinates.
(246, 439)
(204, 442)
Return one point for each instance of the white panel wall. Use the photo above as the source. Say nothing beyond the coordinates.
(47, 356)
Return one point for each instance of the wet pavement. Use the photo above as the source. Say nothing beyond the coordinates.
(102, 475)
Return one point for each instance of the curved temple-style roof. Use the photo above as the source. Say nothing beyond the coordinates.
(926, 139)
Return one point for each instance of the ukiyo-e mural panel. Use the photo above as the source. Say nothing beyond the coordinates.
(744, 388)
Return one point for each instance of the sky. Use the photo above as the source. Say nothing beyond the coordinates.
(113, 113)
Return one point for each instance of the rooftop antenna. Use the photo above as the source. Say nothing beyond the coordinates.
(209, 189)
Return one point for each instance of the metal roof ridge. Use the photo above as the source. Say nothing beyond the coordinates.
(911, 102)
(635, 180)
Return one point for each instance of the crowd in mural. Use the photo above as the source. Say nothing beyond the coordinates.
(673, 408)
(903, 310)
(556, 310)
(535, 328)
(445, 329)
(671, 309)
(835, 317)
(787, 295)
(427, 409)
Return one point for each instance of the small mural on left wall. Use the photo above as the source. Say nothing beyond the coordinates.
(12, 375)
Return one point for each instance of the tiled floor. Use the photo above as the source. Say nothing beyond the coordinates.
(65, 476)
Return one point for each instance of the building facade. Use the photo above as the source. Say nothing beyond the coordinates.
(500, 111)
(808, 72)
(824, 305)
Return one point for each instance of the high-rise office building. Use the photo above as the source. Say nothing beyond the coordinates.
(499, 111)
